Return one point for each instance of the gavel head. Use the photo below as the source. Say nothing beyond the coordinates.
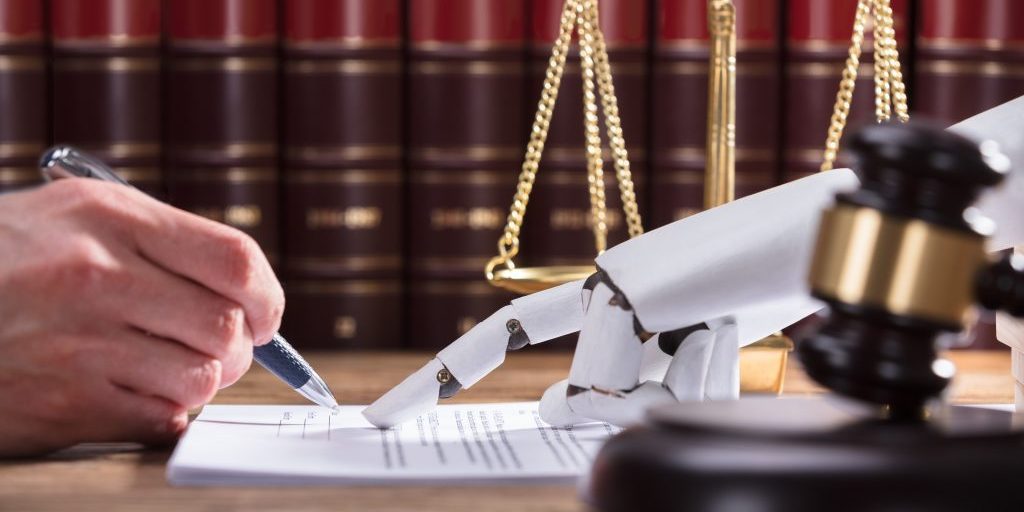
(897, 262)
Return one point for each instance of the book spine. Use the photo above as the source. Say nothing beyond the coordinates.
(559, 228)
(466, 141)
(343, 313)
(970, 57)
(343, 173)
(222, 113)
(441, 310)
(106, 84)
(680, 90)
(817, 44)
(23, 86)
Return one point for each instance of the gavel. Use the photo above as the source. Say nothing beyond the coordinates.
(900, 262)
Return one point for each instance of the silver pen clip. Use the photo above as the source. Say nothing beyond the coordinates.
(67, 162)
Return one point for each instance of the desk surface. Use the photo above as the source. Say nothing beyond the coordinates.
(122, 477)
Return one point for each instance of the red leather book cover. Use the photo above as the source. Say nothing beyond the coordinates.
(106, 84)
(558, 228)
(222, 113)
(23, 86)
(342, 172)
(970, 57)
(679, 113)
(817, 44)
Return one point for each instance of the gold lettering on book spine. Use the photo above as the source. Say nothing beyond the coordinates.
(464, 323)
(238, 215)
(465, 218)
(345, 327)
(353, 217)
(570, 219)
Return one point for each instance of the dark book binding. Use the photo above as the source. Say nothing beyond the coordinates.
(441, 310)
(343, 172)
(23, 86)
(970, 57)
(106, 84)
(680, 90)
(559, 226)
(343, 313)
(342, 131)
(466, 131)
(816, 47)
(222, 115)
(467, 135)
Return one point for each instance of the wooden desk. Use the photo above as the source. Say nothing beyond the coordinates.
(119, 477)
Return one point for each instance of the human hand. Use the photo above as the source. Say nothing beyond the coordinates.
(119, 314)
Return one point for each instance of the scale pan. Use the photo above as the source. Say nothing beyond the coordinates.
(528, 280)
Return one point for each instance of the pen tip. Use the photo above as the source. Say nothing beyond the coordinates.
(327, 400)
(331, 403)
(318, 393)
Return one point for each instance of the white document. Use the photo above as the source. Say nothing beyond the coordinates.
(455, 444)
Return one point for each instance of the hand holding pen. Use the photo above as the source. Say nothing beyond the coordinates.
(276, 355)
(120, 313)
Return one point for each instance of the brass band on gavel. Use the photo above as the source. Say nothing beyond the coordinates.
(901, 265)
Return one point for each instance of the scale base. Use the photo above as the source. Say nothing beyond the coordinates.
(811, 454)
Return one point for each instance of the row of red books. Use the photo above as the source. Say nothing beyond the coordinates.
(372, 146)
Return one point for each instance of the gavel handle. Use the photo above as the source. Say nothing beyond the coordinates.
(1000, 286)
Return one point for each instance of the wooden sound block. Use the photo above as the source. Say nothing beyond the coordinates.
(813, 454)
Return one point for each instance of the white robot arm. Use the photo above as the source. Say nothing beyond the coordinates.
(1004, 127)
(527, 320)
(665, 316)
(693, 282)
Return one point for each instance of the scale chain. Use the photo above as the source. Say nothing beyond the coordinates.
(616, 136)
(591, 129)
(580, 16)
(508, 244)
(890, 91)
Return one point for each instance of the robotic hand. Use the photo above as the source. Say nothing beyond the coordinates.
(664, 317)
(662, 320)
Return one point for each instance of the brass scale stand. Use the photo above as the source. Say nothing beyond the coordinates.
(762, 364)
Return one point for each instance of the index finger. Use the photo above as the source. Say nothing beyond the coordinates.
(216, 256)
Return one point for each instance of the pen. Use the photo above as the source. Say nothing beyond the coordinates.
(277, 356)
